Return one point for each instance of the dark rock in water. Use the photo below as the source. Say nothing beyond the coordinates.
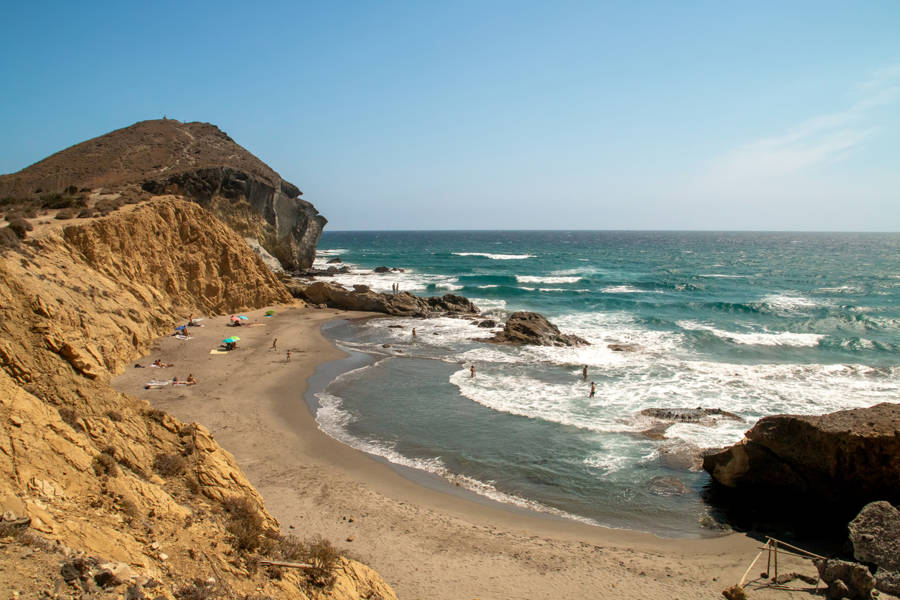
(845, 579)
(328, 272)
(395, 326)
(361, 289)
(875, 534)
(835, 463)
(668, 486)
(689, 415)
(487, 324)
(334, 261)
(398, 270)
(623, 347)
(381, 270)
(533, 328)
(362, 298)
(680, 456)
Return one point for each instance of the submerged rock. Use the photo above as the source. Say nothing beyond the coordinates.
(707, 416)
(533, 328)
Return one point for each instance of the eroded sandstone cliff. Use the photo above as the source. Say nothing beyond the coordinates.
(101, 473)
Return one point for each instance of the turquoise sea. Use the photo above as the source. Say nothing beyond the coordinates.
(752, 323)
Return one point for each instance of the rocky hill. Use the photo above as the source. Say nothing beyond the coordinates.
(195, 160)
(108, 495)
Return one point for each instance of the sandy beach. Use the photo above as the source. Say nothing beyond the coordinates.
(428, 544)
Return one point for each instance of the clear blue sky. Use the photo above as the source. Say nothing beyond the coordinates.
(490, 114)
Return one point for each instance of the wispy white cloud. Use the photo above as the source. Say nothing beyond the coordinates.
(819, 140)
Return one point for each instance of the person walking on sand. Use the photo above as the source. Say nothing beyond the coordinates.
(288, 356)
(414, 332)
(584, 372)
(593, 390)
(472, 371)
(275, 344)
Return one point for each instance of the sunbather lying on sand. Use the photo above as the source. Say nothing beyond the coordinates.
(160, 364)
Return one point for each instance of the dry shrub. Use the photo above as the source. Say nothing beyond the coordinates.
(323, 556)
(13, 531)
(70, 417)
(154, 414)
(197, 590)
(244, 523)
(9, 238)
(20, 227)
(114, 415)
(169, 465)
(66, 213)
(129, 508)
(105, 464)
(86, 213)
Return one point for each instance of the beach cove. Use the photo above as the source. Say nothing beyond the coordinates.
(426, 543)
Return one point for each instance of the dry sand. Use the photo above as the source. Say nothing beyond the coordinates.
(428, 544)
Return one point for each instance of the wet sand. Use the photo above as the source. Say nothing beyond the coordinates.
(427, 543)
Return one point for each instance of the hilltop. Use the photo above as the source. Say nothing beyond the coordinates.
(195, 160)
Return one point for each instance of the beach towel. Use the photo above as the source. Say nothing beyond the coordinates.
(154, 384)
(217, 351)
(184, 337)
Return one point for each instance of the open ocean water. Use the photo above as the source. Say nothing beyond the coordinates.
(751, 323)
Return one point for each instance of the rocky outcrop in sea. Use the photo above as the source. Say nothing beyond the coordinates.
(533, 328)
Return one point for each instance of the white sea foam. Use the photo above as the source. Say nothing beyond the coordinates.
(331, 251)
(546, 279)
(762, 338)
(621, 289)
(721, 276)
(790, 303)
(409, 281)
(496, 256)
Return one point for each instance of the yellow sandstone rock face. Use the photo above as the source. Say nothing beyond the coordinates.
(78, 457)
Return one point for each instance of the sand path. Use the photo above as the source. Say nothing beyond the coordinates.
(429, 545)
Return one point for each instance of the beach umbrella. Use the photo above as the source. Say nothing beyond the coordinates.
(242, 318)
(269, 313)
(230, 340)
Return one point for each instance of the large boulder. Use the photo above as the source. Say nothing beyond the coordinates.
(875, 534)
(533, 328)
(842, 460)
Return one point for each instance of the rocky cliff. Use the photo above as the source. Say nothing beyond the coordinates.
(835, 463)
(121, 493)
(196, 160)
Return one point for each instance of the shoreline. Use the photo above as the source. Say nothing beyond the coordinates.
(425, 542)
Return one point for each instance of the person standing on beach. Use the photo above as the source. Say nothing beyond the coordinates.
(288, 356)
(275, 344)
(584, 372)
(593, 390)
(472, 371)
(414, 332)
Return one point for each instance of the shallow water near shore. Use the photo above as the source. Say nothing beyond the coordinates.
(754, 324)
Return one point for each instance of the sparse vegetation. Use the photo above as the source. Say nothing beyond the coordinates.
(244, 523)
(71, 418)
(154, 414)
(20, 227)
(105, 464)
(66, 213)
(65, 200)
(323, 556)
(114, 415)
(169, 465)
(86, 213)
(197, 590)
(9, 238)
(129, 507)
